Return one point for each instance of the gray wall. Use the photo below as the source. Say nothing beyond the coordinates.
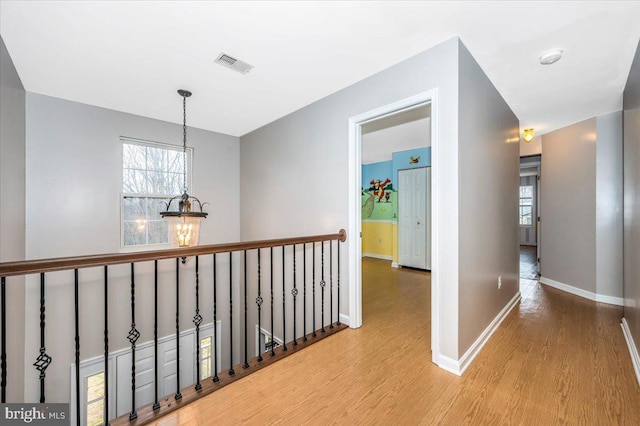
(74, 185)
(632, 200)
(294, 171)
(568, 205)
(12, 221)
(609, 205)
(302, 160)
(489, 170)
(581, 197)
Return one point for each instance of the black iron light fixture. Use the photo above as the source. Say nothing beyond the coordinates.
(184, 224)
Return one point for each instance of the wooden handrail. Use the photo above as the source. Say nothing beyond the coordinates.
(9, 269)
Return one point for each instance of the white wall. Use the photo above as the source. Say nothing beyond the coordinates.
(74, 182)
(12, 221)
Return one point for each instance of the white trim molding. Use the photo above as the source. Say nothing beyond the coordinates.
(602, 298)
(377, 256)
(344, 319)
(458, 367)
(354, 232)
(633, 351)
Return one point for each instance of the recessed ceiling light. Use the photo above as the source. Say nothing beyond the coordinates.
(551, 57)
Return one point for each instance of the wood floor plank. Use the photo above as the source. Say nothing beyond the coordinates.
(556, 359)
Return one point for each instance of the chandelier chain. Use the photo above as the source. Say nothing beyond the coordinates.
(184, 143)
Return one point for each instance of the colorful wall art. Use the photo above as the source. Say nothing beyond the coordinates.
(380, 201)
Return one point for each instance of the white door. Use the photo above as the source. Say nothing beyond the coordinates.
(145, 390)
(414, 233)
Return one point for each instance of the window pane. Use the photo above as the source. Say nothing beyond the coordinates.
(205, 357)
(156, 158)
(153, 170)
(95, 413)
(134, 209)
(158, 231)
(95, 386)
(175, 162)
(133, 156)
(134, 234)
(134, 181)
(525, 215)
(526, 191)
(526, 201)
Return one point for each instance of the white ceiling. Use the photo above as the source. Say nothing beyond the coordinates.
(133, 56)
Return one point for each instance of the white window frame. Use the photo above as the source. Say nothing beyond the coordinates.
(124, 195)
(520, 205)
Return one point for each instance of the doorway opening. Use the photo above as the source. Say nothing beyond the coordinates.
(396, 188)
(529, 220)
(360, 126)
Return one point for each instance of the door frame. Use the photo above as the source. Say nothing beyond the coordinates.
(354, 234)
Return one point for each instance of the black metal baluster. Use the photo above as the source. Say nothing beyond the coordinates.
(271, 270)
(231, 371)
(178, 394)
(246, 350)
(338, 322)
(259, 301)
(133, 336)
(313, 287)
(197, 320)
(304, 294)
(284, 310)
(106, 345)
(43, 360)
(215, 325)
(156, 404)
(3, 357)
(294, 292)
(330, 284)
(322, 285)
(77, 340)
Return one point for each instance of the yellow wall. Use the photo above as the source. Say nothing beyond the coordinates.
(380, 238)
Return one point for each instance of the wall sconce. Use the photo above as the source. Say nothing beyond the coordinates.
(528, 135)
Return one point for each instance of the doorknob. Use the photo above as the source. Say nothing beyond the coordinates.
(418, 224)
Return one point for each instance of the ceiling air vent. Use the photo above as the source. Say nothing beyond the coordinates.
(233, 63)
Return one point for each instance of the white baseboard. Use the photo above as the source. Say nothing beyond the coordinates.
(395, 265)
(611, 300)
(458, 367)
(344, 319)
(377, 256)
(633, 349)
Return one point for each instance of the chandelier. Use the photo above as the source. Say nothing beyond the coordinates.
(184, 223)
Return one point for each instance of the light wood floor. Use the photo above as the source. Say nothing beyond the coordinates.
(557, 359)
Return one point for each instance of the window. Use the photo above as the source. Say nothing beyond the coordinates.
(205, 358)
(526, 205)
(151, 174)
(95, 399)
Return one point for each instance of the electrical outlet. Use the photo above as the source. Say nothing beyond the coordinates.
(499, 281)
